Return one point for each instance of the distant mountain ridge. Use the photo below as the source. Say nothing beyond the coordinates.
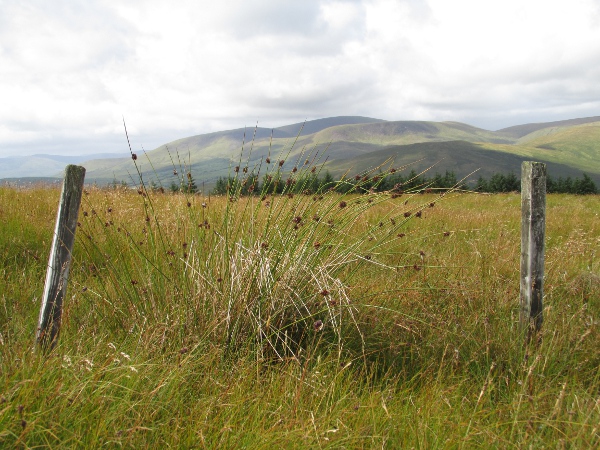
(354, 143)
(36, 166)
(519, 131)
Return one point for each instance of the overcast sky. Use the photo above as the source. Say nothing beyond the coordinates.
(71, 70)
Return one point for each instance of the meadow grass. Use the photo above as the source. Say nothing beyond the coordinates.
(295, 321)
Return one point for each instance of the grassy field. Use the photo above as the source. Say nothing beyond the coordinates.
(312, 321)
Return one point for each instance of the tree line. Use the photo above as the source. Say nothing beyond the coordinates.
(313, 183)
(510, 183)
(309, 183)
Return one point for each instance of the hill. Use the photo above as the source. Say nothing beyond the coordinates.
(210, 156)
(519, 131)
(569, 147)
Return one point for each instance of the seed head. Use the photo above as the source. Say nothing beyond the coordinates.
(318, 325)
(133, 156)
(343, 204)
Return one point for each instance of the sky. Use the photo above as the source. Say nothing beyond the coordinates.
(71, 71)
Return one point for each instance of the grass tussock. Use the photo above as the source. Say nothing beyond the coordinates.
(311, 319)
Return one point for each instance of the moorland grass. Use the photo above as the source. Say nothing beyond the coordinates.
(220, 323)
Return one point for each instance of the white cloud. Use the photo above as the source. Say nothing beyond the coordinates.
(70, 70)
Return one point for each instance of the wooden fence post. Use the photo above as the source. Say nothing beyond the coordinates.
(60, 257)
(533, 230)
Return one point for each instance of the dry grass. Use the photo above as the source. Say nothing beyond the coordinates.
(244, 332)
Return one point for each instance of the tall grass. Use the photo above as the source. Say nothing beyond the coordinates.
(305, 320)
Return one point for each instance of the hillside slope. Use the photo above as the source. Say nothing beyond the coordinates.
(569, 147)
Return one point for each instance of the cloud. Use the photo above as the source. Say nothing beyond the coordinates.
(71, 70)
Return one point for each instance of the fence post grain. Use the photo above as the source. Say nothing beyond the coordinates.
(533, 230)
(60, 257)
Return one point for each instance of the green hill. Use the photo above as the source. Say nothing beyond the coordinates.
(465, 159)
(356, 143)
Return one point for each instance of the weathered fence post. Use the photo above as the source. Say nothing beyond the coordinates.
(60, 257)
(533, 230)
